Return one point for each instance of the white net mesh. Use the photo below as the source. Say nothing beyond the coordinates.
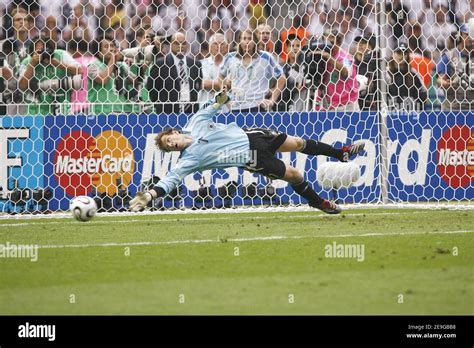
(85, 86)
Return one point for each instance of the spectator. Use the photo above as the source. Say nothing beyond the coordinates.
(145, 36)
(137, 36)
(257, 12)
(318, 17)
(232, 16)
(465, 10)
(118, 34)
(21, 36)
(140, 22)
(264, 37)
(366, 59)
(210, 67)
(416, 39)
(435, 32)
(204, 51)
(44, 77)
(249, 73)
(185, 16)
(175, 80)
(91, 14)
(297, 29)
(292, 97)
(115, 13)
(142, 65)
(341, 89)
(111, 84)
(4, 20)
(454, 75)
(397, 18)
(81, 53)
(426, 70)
(427, 14)
(346, 29)
(141, 12)
(32, 9)
(14, 49)
(51, 31)
(112, 21)
(54, 9)
(405, 86)
(424, 66)
(212, 25)
(78, 27)
(196, 12)
(363, 14)
(5, 75)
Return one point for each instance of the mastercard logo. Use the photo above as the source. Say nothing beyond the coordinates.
(456, 156)
(83, 162)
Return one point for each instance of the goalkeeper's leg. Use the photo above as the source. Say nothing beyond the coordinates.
(303, 188)
(313, 147)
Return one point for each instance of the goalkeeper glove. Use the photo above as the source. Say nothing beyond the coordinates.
(223, 97)
(140, 201)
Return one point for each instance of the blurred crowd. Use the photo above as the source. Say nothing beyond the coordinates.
(169, 56)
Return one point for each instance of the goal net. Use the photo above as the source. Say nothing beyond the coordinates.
(85, 87)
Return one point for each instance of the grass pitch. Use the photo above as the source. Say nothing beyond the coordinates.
(415, 262)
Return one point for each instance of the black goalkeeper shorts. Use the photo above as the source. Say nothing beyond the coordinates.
(263, 145)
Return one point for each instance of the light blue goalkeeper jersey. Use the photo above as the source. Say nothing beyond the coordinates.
(214, 145)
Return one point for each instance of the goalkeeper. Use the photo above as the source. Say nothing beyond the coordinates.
(205, 145)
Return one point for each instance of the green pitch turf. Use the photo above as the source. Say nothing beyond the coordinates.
(415, 262)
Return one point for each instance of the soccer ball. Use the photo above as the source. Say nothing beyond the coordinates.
(83, 208)
(333, 175)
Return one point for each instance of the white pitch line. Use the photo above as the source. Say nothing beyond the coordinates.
(226, 218)
(250, 239)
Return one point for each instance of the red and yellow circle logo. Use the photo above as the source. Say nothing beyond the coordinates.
(456, 156)
(82, 162)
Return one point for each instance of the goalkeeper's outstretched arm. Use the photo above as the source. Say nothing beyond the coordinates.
(142, 199)
(221, 98)
(183, 168)
(209, 110)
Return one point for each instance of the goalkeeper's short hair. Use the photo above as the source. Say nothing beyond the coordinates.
(158, 140)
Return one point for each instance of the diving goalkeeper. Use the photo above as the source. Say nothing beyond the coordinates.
(205, 144)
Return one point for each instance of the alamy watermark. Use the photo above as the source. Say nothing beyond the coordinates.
(28, 330)
(12, 251)
(348, 251)
(406, 107)
(229, 156)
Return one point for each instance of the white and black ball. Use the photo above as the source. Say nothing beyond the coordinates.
(83, 208)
